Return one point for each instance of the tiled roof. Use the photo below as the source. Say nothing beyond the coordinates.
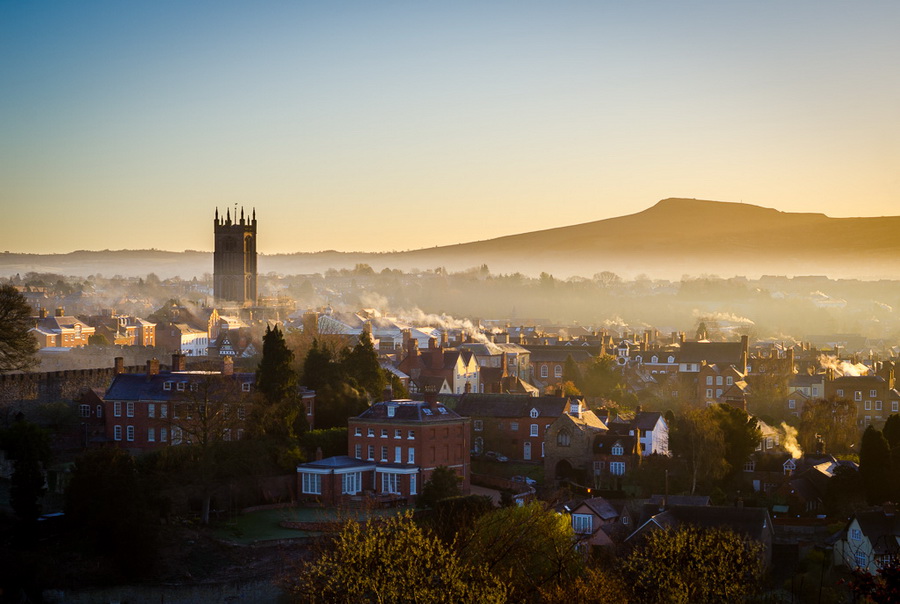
(883, 531)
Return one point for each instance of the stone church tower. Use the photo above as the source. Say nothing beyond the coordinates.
(234, 259)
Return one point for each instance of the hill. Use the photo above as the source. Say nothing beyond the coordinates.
(670, 239)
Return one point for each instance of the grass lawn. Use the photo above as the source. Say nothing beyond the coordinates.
(263, 525)
(508, 469)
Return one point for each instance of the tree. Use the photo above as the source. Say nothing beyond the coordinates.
(831, 421)
(531, 545)
(29, 446)
(444, 483)
(688, 565)
(98, 339)
(740, 433)
(281, 413)
(109, 504)
(875, 466)
(571, 373)
(361, 364)
(597, 586)
(697, 438)
(17, 345)
(882, 587)
(335, 404)
(891, 431)
(602, 377)
(211, 411)
(276, 379)
(391, 561)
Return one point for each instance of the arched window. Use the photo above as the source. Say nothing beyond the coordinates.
(557, 371)
(563, 438)
(534, 413)
(617, 449)
(544, 371)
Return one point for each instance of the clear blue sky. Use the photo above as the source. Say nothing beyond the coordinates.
(396, 125)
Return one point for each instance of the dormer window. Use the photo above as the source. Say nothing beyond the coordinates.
(618, 449)
(534, 413)
(167, 385)
(180, 386)
(391, 410)
(245, 387)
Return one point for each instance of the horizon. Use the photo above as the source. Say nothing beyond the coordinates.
(402, 251)
(365, 127)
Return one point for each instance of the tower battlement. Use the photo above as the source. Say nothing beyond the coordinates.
(234, 259)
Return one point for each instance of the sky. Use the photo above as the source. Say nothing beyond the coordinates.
(378, 126)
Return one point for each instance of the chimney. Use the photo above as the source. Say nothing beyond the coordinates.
(319, 454)
(429, 395)
(445, 339)
(681, 337)
(387, 394)
(119, 365)
(179, 362)
(60, 311)
(43, 312)
(432, 343)
(227, 366)
(745, 351)
(152, 368)
(412, 346)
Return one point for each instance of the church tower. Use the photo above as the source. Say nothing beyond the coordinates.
(234, 259)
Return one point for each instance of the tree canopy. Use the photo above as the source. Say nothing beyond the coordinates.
(392, 561)
(444, 483)
(17, 345)
(691, 565)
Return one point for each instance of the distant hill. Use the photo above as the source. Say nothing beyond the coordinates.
(670, 239)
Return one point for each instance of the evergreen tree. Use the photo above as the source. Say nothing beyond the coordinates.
(444, 483)
(891, 431)
(875, 466)
(17, 345)
(361, 364)
(275, 376)
(320, 367)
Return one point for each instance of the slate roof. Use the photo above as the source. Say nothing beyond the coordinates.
(711, 352)
(407, 411)
(338, 462)
(541, 354)
(604, 443)
(511, 405)
(140, 387)
(645, 421)
(754, 522)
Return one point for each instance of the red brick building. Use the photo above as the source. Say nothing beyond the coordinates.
(61, 330)
(393, 447)
(145, 411)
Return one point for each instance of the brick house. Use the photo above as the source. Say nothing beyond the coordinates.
(146, 411)
(721, 384)
(393, 448)
(512, 424)
(61, 330)
(875, 395)
(124, 330)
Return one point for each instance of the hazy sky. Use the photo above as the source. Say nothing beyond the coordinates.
(397, 125)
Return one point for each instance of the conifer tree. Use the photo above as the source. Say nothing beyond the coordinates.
(875, 466)
(275, 376)
(361, 364)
